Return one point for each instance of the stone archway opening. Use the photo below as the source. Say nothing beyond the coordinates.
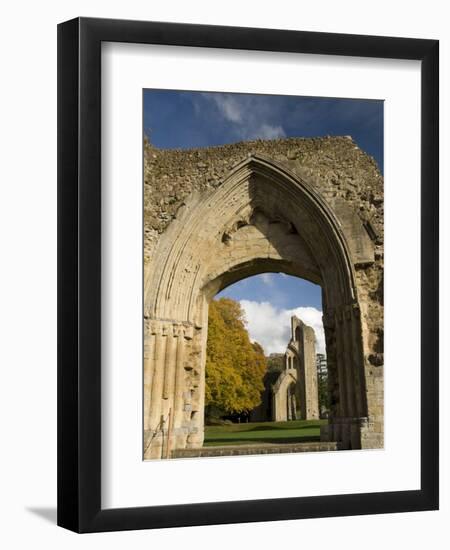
(268, 306)
(262, 218)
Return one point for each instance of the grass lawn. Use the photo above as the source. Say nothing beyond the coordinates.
(293, 431)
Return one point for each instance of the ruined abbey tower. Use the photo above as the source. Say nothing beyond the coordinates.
(295, 394)
(312, 208)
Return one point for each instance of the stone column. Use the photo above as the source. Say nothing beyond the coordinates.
(350, 422)
(167, 387)
(294, 407)
(288, 404)
(309, 360)
(179, 433)
(153, 406)
(149, 348)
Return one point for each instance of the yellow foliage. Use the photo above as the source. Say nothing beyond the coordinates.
(235, 366)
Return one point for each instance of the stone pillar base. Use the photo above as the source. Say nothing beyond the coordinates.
(352, 433)
(161, 445)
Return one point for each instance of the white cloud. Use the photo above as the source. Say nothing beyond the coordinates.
(266, 131)
(267, 279)
(230, 107)
(249, 119)
(270, 326)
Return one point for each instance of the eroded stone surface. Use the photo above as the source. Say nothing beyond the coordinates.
(312, 208)
(295, 394)
(262, 449)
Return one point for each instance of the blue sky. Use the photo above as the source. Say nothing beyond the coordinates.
(283, 291)
(178, 119)
(184, 120)
(269, 300)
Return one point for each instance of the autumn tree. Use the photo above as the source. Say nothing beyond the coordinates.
(235, 366)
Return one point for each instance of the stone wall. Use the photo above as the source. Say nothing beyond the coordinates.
(335, 166)
(309, 207)
(303, 344)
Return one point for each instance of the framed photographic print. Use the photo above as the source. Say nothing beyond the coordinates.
(248, 269)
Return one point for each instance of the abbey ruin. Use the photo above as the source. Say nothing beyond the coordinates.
(311, 208)
(295, 393)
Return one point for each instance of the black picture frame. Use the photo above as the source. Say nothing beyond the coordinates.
(79, 274)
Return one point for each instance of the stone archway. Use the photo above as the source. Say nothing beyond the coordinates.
(261, 218)
(282, 393)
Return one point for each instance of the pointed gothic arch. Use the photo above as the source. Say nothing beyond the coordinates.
(280, 395)
(261, 218)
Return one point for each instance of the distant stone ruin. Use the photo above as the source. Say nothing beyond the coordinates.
(311, 208)
(295, 393)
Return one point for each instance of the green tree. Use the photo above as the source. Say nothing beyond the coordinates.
(276, 362)
(235, 366)
(324, 399)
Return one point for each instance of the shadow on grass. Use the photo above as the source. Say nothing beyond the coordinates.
(250, 440)
(316, 425)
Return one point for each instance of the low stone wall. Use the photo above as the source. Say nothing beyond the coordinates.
(242, 450)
